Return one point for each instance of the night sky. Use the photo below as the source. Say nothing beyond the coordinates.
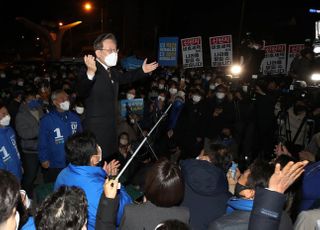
(138, 23)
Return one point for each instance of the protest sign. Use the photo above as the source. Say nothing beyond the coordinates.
(192, 52)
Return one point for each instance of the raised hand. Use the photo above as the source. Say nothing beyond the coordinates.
(148, 68)
(280, 149)
(281, 180)
(112, 168)
(90, 62)
(110, 188)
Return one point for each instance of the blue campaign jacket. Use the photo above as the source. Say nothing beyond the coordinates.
(310, 192)
(55, 128)
(29, 225)
(175, 112)
(9, 154)
(239, 204)
(91, 179)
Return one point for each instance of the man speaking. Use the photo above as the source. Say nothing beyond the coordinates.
(99, 87)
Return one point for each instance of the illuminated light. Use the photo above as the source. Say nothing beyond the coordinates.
(316, 49)
(315, 77)
(87, 6)
(236, 69)
(60, 23)
(314, 11)
(38, 38)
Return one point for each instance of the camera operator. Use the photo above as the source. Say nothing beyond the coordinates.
(302, 65)
(295, 127)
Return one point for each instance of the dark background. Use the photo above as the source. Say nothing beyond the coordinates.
(138, 23)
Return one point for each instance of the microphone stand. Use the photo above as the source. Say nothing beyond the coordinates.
(140, 129)
(144, 140)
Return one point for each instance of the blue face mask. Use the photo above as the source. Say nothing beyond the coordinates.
(34, 104)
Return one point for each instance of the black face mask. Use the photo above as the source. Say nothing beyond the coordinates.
(239, 188)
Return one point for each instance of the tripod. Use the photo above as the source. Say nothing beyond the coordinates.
(144, 140)
(130, 113)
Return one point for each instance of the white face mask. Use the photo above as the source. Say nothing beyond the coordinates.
(245, 88)
(216, 84)
(111, 59)
(212, 86)
(20, 83)
(196, 98)
(5, 121)
(161, 86)
(161, 98)
(79, 110)
(175, 79)
(123, 141)
(173, 91)
(17, 217)
(65, 105)
(100, 154)
(220, 95)
(130, 96)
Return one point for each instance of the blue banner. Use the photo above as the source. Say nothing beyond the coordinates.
(135, 105)
(131, 63)
(168, 51)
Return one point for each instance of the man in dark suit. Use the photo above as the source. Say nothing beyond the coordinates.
(99, 87)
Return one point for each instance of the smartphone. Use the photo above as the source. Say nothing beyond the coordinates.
(233, 169)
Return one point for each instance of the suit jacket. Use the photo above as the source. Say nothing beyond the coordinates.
(147, 216)
(100, 98)
(267, 210)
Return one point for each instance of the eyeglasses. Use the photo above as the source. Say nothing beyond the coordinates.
(109, 51)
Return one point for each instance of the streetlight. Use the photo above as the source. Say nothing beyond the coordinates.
(87, 6)
(60, 23)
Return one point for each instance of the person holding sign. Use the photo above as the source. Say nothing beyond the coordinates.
(99, 87)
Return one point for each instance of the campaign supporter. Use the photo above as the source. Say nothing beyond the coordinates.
(220, 115)
(84, 154)
(9, 196)
(239, 208)
(9, 153)
(189, 132)
(55, 128)
(268, 203)
(13, 105)
(128, 123)
(266, 97)
(177, 106)
(27, 126)
(310, 192)
(163, 190)
(108, 205)
(206, 188)
(66, 208)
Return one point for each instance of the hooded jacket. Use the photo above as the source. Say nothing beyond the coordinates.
(55, 128)
(206, 192)
(9, 154)
(91, 179)
(27, 127)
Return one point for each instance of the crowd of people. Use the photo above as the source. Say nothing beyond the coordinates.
(228, 154)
